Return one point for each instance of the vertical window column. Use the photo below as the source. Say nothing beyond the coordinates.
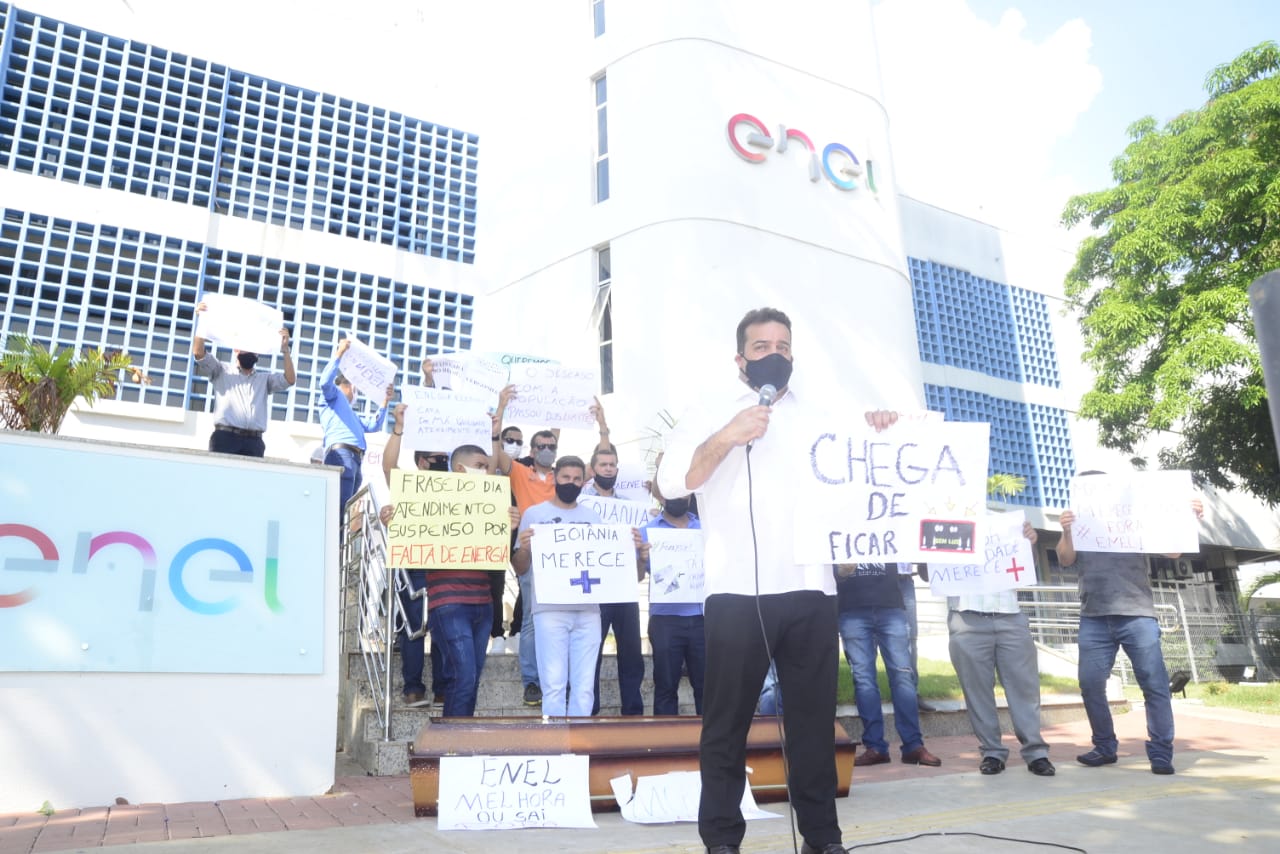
(602, 139)
(602, 316)
(597, 17)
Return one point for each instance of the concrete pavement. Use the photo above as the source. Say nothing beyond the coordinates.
(1225, 796)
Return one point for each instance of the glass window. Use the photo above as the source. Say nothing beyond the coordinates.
(597, 16)
(602, 139)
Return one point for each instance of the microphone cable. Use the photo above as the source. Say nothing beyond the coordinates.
(764, 636)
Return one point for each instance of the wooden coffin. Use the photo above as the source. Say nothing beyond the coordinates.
(639, 746)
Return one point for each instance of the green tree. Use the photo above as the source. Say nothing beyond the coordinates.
(1161, 287)
(37, 387)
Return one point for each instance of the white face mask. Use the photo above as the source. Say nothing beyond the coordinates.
(512, 448)
(470, 470)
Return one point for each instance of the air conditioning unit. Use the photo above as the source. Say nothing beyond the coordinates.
(1183, 570)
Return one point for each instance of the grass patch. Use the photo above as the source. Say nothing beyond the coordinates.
(938, 681)
(1264, 699)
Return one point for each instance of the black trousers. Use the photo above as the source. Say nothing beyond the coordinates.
(497, 587)
(803, 634)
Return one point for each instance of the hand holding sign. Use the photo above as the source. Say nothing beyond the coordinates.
(369, 371)
(1137, 512)
(582, 564)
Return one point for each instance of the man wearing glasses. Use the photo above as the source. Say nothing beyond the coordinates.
(530, 485)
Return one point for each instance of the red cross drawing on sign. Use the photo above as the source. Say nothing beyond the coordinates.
(1015, 569)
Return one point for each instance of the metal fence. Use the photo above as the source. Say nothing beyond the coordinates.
(1203, 631)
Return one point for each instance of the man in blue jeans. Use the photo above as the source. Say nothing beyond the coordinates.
(1117, 610)
(872, 617)
(344, 430)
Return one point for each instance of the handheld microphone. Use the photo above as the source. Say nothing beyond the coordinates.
(768, 394)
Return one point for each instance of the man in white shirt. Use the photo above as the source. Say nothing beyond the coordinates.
(743, 458)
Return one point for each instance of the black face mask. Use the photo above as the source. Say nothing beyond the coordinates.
(676, 507)
(603, 482)
(247, 360)
(438, 464)
(568, 492)
(774, 369)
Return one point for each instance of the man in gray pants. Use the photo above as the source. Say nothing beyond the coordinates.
(990, 635)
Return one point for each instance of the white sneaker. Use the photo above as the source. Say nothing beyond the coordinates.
(513, 644)
(498, 645)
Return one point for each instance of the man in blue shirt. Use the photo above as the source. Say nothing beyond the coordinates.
(676, 630)
(344, 430)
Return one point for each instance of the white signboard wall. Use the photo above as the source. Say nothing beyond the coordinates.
(239, 323)
(552, 396)
(368, 370)
(583, 564)
(505, 792)
(1148, 512)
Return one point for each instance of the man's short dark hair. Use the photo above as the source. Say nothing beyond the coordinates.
(466, 450)
(544, 434)
(570, 462)
(506, 430)
(339, 379)
(610, 451)
(755, 316)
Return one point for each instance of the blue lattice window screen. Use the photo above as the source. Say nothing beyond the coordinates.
(1029, 440)
(97, 110)
(76, 284)
(1036, 350)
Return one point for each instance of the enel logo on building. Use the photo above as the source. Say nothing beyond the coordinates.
(89, 545)
(837, 161)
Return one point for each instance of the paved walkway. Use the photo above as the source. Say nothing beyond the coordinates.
(1226, 795)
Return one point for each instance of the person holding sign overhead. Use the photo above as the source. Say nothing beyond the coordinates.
(240, 395)
(1117, 609)
(568, 636)
(744, 453)
(344, 430)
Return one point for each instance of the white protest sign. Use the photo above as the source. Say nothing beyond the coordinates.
(675, 566)
(583, 564)
(552, 396)
(618, 511)
(437, 420)
(1146, 512)
(368, 370)
(914, 492)
(240, 323)
(477, 377)
(1009, 562)
(504, 792)
(671, 797)
(509, 359)
(633, 481)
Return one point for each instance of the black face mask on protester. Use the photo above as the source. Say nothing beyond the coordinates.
(437, 463)
(676, 507)
(568, 492)
(247, 360)
(603, 482)
(774, 369)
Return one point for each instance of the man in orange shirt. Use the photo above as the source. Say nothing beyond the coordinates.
(530, 485)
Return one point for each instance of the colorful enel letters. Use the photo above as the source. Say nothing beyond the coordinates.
(240, 323)
(368, 370)
(914, 492)
(583, 564)
(505, 792)
(552, 396)
(1008, 563)
(445, 520)
(675, 565)
(1147, 512)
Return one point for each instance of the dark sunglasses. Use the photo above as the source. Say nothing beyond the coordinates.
(544, 447)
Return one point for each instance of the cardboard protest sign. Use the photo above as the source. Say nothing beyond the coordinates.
(505, 792)
(617, 511)
(445, 520)
(914, 492)
(633, 481)
(1148, 512)
(239, 323)
(470, 375)
(549, 396)
(583, 564)
(675, 566)
(368, 370)
(1007, 562)
(438, 420)
(509, 359)
(671, 797)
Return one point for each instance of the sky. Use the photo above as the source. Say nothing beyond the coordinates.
(1002, 109)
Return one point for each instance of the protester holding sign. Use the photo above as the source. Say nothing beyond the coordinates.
(532, 484)
(240, 395)
(1117, 610)
(676, 630)
(990, 637)
(344, 430)
(568, 636)
(745, 460)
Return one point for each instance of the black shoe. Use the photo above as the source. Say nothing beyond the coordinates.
(1161, 767)
(532, 695)
(1096, 757)
(1041, 767)
(926, 706)
(723, 849)
(990, 765)
(829, 848)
